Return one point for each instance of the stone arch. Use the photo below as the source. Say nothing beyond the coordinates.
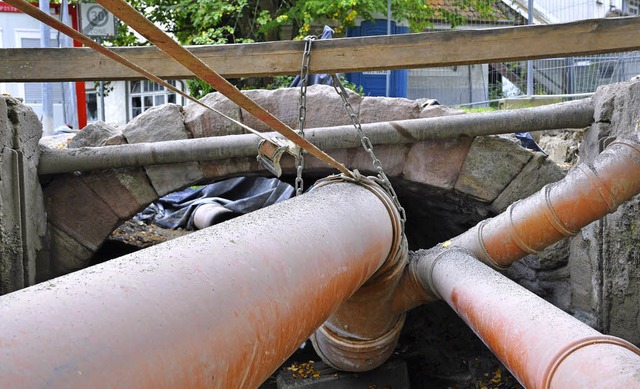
(455, 182)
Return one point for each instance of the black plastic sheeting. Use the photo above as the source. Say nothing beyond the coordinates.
(239, 195)
(526, 140)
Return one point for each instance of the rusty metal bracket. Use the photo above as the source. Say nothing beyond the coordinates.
(271, 150)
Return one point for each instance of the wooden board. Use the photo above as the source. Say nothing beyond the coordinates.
(338, 55)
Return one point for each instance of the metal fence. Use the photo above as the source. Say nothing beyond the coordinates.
(481, 85)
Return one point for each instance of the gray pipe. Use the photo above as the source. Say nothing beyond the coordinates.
(47, 87)
(575, 114)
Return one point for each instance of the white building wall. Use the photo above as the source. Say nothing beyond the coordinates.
(15, 27)
(115, 104)
(572, 10)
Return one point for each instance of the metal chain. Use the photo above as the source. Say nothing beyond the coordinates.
(382, 178)
(302, 110)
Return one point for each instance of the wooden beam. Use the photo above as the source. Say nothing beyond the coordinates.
(337, 55)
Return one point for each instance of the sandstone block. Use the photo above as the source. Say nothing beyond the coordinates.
(432, 111)
(165, 122)
(75, 209)
(385, 109)
(491, 164)
(437, 163)
(538, 172)
(217, 170)
(392, 158)
(160, 123)
(125, 191)
(67, 253)
(169, 178)
(324, 107)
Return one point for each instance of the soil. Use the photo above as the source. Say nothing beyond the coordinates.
(132, 236)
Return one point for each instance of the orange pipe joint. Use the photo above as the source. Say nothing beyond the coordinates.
(364, 331)
(221, 307)
(540, 344)
(559, 210)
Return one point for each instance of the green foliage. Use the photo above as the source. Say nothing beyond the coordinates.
(280, 82)
(478, 109)
(207, 22)
(236, 21)
(199, 88)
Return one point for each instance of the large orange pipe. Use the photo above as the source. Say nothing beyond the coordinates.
(540, 344)
(559, 210)
(222, 307)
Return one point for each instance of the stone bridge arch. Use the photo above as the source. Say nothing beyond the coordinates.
(446, 186)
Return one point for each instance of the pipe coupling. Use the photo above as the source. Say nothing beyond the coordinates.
(397, 223)
(362, 334)
(423, 267)
(356, 355)
(555, 362)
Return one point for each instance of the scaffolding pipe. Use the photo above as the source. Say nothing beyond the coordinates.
(540, 344)
(221, 307)
(559, 210)
(574, 114)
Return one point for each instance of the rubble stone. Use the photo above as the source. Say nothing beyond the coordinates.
(165, 122)
(75, 209)
(97, 134)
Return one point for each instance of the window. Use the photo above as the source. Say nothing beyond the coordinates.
(633, 7)
(91, 94)
(146, 94)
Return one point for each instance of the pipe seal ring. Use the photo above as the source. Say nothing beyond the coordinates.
(398, 241)
(430, 266)
(567, 350)
(552, 216)
(486, 257)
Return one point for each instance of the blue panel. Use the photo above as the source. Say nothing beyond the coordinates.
(375, 83)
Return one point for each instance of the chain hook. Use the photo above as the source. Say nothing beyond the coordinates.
(302, 109)
(381, 178)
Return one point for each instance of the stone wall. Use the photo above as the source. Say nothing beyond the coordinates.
(604, 258)
(22, 215)
(447, 186)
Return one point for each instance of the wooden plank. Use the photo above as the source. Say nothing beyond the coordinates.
(338, 55)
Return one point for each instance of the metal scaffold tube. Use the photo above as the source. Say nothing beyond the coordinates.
(576, 114)
(222, 307)
(540, 344)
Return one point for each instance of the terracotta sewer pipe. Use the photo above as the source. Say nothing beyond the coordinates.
(222, 307)
(540, 344)
(588, 192)
(350, 338)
